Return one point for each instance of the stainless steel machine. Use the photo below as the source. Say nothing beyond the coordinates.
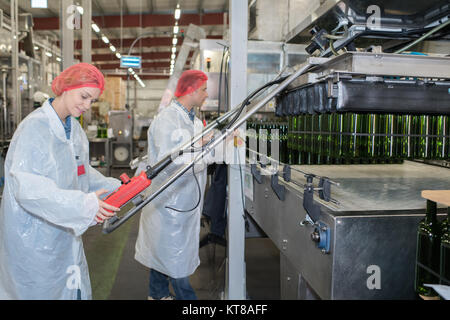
(371, 232)
(350, 231)
(122, 144)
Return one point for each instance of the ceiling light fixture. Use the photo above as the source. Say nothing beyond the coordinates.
(177, 12)
(95, 28)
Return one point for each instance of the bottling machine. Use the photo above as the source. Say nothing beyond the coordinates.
(344, 204)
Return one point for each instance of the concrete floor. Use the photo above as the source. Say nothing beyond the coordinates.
(115, 275)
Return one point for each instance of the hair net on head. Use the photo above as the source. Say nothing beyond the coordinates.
(78, 76)
(190, 81)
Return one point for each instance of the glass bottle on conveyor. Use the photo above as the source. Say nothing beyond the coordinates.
(428, 252)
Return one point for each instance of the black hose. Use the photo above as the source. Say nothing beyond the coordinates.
(247, 100)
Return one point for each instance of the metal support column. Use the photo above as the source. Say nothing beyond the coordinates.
(235, 285)
(87, 46)
(67, 23)
(16, 101)
(86, 31)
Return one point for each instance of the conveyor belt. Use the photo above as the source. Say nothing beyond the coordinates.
(379, 186)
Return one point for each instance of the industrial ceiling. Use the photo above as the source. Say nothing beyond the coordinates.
(122, 21)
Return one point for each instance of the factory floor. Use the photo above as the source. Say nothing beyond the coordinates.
(116, 275)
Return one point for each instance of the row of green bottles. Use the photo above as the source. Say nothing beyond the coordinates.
(266, 135)
(366, 138)
(433, 255)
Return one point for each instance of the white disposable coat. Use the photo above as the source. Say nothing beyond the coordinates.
(168, 241)
(48, 203)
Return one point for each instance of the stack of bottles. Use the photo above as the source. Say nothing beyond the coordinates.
(266, 135)
(433, 252)
(352, 138)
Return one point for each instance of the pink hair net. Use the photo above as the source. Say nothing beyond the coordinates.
(78, 76)
(190, 81)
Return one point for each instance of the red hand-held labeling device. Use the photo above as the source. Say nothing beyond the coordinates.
(128, 190)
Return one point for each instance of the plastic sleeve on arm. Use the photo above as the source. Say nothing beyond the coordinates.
(40, 196)
(98, 181)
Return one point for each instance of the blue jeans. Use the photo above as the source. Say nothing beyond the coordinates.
(159, 286)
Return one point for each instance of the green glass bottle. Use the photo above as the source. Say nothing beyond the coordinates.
(286, 148)
(428, 252)
(339, 123)
(269, 127)
(423, 140)
(379, 138)
(415, 136)
(308, 138)
(352, 141)
(371, 127)
(316, 139)
(275, 141)
(397, 124)
(346, 146)
(333, 137)
(262, 143)
(387, 141)
(326, 136)
(253, 146)
(406, 139)
(294, 146)
(280, 126)
(445, 250)
(438, 145)
(300, 139)
(361, 138)
(289, 139)
(258, 138)
(366, 126)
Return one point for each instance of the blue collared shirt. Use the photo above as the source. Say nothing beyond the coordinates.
(191, 114)
(67, 126)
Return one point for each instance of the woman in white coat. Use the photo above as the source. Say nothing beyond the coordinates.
(168, 239)
(51, 195)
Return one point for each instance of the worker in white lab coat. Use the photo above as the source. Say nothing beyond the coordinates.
(52, 195)
(169, 230)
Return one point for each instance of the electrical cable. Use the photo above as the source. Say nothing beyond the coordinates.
(426, 35)
(199, 196)
(247, 100)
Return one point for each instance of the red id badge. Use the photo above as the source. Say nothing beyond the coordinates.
(81, 170)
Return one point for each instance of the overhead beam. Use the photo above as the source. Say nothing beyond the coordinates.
(143, 77)
(133, 21)
(144, 56)
(126, 43)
